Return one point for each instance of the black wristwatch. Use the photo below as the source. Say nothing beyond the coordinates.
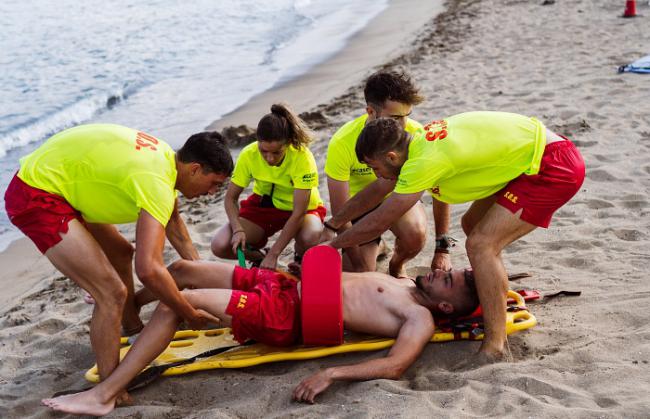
(444, 243)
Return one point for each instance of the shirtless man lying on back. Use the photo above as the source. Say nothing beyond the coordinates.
(264, 305)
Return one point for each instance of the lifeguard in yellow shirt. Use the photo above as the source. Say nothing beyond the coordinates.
(70, 191)
(515, 170)
(389, 95)
(285, 194)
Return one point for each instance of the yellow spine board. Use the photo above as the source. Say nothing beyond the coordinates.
(188, 343)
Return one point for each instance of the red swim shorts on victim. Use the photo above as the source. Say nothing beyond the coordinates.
(265, 307)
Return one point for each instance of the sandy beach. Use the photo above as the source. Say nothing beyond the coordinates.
(589, 355)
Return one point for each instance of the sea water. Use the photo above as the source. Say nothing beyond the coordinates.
(166, 67)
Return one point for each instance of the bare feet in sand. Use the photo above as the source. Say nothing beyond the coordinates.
(123, 399)
(84, 403)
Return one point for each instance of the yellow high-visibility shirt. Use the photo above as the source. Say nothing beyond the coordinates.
(297, 171)
(107, 172)
(472, 155)
(342, 163)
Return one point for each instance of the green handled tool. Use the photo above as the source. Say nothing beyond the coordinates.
(241, 258)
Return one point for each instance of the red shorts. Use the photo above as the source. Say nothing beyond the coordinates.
(270, 219)
(560, 177)
(265, 307)
(42, 216)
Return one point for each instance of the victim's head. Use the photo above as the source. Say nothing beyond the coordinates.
(451, 293)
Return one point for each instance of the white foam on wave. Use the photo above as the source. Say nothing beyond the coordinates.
(332, 24)
(74, 114)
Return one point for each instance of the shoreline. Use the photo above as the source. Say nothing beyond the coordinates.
(378, 42)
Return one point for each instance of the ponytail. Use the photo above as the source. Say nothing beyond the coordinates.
(284, 125)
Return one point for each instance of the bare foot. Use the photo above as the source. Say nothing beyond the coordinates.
(123, 399)
(498, 351)
(84, 403)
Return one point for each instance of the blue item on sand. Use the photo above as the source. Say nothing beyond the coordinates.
(641, 65)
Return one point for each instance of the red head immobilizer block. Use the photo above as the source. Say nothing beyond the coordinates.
(322, 297)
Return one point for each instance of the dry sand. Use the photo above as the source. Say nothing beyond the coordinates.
(589, 355)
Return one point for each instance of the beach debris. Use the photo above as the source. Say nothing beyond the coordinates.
(642, 65)
(238, 136)
(314, 119)
(16, 319)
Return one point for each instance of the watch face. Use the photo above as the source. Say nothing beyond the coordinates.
(445, 242)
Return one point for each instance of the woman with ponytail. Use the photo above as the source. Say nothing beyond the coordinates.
(285, 193)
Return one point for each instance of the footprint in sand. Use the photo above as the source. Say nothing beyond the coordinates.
(568, 114)
(606, 402)
(568, 214)
(538, 388)
(49, 326)
(605, 159)
(208, 227)
(629, 235)
(436, 381)
(576, 262)
(598, 204)
(584, 144)
(633, 204)
(569, 244)
(601, 176)
(594, 115)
